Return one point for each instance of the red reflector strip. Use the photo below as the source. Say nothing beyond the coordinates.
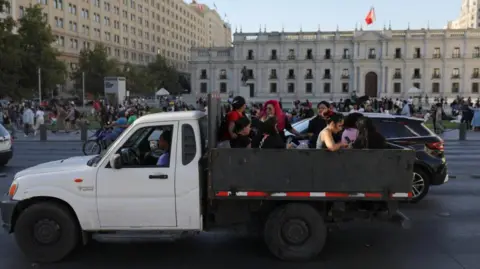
(313, 194)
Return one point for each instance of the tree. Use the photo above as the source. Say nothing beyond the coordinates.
(10, 63)
(36, 39)
(164, 75)
(138, 78)
(96, 66)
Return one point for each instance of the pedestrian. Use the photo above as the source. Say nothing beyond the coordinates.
(39, 120)
(28, 119)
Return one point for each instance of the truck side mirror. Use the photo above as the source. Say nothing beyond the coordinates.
(116, 161)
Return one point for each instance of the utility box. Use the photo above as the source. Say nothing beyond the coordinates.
(115, 90)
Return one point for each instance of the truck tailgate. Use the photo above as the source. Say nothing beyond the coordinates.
(271, 171)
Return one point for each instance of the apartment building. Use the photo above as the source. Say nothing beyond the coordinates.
(469, 16)
(330, 65)
(8, 11)
(133, 31)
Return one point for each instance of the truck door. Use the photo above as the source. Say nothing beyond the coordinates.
(141, 194)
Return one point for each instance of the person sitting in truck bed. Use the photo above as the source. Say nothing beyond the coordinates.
(242, 131)
(239, 106)
(334, 126)
(164, 144)
(272, 108)
(270, 137)
(368, 137)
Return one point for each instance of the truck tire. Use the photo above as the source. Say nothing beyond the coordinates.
(46, 232)
(295, 232)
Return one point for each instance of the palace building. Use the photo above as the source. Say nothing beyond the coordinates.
(331, 65)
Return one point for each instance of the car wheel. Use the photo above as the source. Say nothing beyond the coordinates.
(46, 232)
(420, 185)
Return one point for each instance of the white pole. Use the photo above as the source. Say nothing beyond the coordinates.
(83, 89)
(39, 86)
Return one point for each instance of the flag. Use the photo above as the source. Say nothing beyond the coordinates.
(215, 6)
(225, 15)
(370, 18)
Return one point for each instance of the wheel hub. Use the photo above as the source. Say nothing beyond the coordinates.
(418, 185)
(46, 231)
(295, 231)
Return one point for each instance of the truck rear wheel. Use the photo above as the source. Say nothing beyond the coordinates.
(46, 232)
(295, 232)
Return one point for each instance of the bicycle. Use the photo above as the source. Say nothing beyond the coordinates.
(96, 143)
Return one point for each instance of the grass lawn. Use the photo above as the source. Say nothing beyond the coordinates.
(446, 123)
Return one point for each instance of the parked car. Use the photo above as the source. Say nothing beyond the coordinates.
(430, 167)
(6, 151)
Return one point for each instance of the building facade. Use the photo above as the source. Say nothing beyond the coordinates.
(330, 65)
(469, 16)
(133, 31)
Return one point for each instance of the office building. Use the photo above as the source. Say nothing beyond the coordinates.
(469, 16)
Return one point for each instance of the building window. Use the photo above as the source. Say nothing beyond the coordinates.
(476, 73)
(456, 52)
(345, 74)
(273, 55)
(476, 52)
(203, 87)
(397, 87)
(372, 54)
(223, 87)
(456, 73)
(250, 55)
(223, 74)
(291, 54)
(291, 74)
(309, 55)
(58, 4)
(455, 87)
(436, 53)
(416, 85)
(203, 74)
(308, 87)
(397, 74)
(273, 74)
(346, 54)
(250, 73)
(291, 87)
(398, 53)
(474, 87)
(326, 87)
(435, 87)
(345, 87)
(416, 73)
(309, 74)
(273, 87)
(326, 74)
(417, 54)
(328, 54)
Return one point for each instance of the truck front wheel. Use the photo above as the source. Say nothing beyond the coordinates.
(295, 232)
(46, 232)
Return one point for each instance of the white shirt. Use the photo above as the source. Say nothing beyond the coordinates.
(39, 114)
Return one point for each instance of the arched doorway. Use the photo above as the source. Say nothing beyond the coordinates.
(371, 84)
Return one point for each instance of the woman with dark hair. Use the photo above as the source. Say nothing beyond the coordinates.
(368, 137)
(350, 131)
(334, 126)
(242, 130)
(271, 109)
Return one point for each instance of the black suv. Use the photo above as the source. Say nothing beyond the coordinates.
(430, 167)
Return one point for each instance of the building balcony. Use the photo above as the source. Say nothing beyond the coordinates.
(455, 55)
(273, 57)
(455, 76)
(309, 57)
(417, 56)
(250, 77)
(476, 55)
(203, 76)
(436, 76)
(437, 56)
(372, 56)
(250, 57)
(327, 76)
(346, 57)
(397, 76)
(291, 77)
(327, 57)
(291, 57)
(475, 75)
(417, 76)
(345, 77)
(272, 77)
(397, 56)
(222, 77)
(309, 76)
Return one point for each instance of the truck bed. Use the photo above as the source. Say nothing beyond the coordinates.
(271, 173)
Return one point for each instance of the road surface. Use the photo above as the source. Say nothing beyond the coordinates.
(445, 232)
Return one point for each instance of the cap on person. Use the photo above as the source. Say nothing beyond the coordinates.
(238, 102)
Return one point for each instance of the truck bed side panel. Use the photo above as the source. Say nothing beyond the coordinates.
(311, 170)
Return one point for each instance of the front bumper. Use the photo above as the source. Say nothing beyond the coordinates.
(5, 156)
(7, 208)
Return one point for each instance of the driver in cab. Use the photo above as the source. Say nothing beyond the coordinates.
(164, 144)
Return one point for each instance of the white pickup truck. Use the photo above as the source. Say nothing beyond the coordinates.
(288, 195)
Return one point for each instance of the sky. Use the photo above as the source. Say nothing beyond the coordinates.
(307, 15)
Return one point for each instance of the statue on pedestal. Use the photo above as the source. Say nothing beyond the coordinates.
(244, 73)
